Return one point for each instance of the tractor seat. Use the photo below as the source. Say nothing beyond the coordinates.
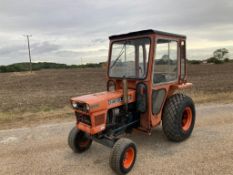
(159, 78)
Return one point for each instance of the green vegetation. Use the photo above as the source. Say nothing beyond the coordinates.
(220, 53)
(219, 56)
(194, 61)
(214, 60)
(19, 67)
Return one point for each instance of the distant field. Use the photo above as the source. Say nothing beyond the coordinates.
(212, 83)
(45, 94)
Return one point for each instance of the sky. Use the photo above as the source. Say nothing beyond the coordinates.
(77, 31)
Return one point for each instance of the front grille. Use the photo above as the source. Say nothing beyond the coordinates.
(83, 118)
(99, 119)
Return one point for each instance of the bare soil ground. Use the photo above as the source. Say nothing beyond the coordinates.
(212, 83)
(42, 96)
(44, 150)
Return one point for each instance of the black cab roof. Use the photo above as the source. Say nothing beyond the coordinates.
(145, 32)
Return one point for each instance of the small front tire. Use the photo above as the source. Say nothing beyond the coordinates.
(78, 140)
(123, 156)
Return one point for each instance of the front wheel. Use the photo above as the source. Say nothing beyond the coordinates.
(78, 140)
(123, 156)
(178, 117)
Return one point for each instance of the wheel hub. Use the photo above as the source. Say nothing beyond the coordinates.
(128, 157)
(186, 119)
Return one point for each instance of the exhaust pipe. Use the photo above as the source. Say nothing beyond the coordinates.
(125, 93)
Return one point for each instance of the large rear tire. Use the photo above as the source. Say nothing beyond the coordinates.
(78, 140)
(178, 117)
(123, 156)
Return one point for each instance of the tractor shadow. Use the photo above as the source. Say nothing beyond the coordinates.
(151, 148)
(156, 143)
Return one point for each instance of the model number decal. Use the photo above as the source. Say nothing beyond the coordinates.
(117, 100)
(94, 106)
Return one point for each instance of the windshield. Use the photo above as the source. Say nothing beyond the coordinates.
(129, 58)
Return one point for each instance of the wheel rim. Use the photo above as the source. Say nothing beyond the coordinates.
(83, 140)
(84, 143)
(187, 118)
(128, 157)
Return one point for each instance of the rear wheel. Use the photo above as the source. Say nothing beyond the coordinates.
(123, 156)
(79, 140)
(178, 117)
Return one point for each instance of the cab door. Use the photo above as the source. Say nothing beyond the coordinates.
(164, 74)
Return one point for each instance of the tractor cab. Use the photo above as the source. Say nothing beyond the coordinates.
(153, 63)
(145, 69)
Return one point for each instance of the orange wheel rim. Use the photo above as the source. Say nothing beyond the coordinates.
(128, 157)
(187, 118)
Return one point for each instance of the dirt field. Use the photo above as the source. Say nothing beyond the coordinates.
(212, 83)
(44, 95)
(44, 150)
(31, 101)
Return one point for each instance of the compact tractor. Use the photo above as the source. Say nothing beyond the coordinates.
(145, 71)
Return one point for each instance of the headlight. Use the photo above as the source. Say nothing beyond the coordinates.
(74, 105)
(87, 107)
(80, 106)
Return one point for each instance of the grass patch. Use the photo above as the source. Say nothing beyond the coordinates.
(11, 119)
(203, 97)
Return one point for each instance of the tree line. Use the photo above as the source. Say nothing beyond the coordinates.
(19, 67)
(219, 56)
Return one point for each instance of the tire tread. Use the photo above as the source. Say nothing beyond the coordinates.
(172, 113)
(116, 153)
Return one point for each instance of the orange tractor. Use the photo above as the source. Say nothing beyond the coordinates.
(145, 69)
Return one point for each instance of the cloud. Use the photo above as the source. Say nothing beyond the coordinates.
(87, 56)
(10, 50)
(44, 47)
(205, 53)
(64, 31)
(98, 40)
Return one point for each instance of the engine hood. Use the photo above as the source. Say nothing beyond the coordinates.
(104, 100)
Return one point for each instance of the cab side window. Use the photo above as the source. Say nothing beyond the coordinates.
(182, 60)
(143, 59)
(165, 63)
